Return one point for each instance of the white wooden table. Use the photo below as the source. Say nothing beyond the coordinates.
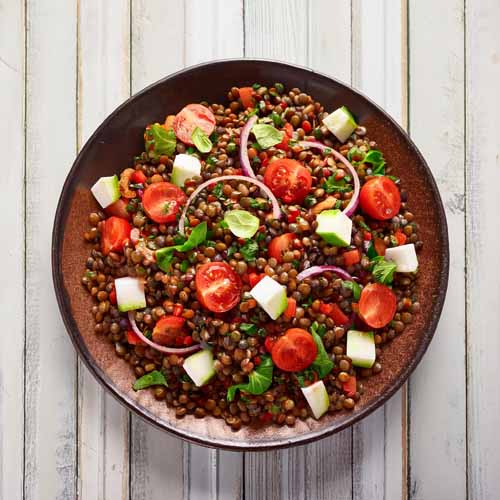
(65, 64)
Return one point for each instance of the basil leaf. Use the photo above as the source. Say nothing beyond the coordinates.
(259, 380)
(322, 365)
(267, 135)
(201, 141)
(158, 141)
(164, 256)
(152, 378)
(249, 250)
(383, 270)
(354, 287)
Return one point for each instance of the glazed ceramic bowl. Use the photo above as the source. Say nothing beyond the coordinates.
(120, 138)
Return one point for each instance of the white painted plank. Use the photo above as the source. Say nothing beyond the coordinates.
(50, 439)
(12, 24)
(379, 70)
(437, 388)
(483, 292)
(157, 463)
(103, 83)
(299, 32)
(214, 30)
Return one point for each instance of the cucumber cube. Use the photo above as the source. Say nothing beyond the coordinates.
(317, 398)
(271, 296)
(130, 294)
(200, 367)
(404, 257)
(106, 190)
(340, 123)
(334, 227)
(185, 167)
(361, 348)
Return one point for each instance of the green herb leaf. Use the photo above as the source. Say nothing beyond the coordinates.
(376, 159)
(190, 150)
(232, 250)
(333, 186)
(259, 380)
(267, 135)
(201, 140)
(354, 287)
(364, 226)
(159, 141)
(211, 160)
(304, 375)
(184, 266)
(259, 205)
(248, 328)
(322, 365)
(383, 270)
(242, 223)
(250, 250)
(164, 255)
(371, 252)
(278, 122)
(256, 86)
(218, 190)
(152, 378)
(260, 237)
(308, 302)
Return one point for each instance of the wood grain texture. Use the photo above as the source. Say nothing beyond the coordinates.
(157, 463)
(103, 84)
(50, 400)
(437, 388)
(483, 291)
(12, 78)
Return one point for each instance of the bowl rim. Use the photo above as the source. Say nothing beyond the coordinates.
(233, 445)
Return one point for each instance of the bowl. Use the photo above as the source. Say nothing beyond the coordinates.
(120, 138)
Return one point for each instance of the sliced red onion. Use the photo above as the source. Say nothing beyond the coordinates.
(353, 204)
(312, 271)
(158, 347)
(244, 160)
(215, 180)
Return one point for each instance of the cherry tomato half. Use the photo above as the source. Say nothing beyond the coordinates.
(162, 201)
(380, 198)
(279, 245)
(294, 351)
(288, 180)
(115, 232)
(218, 287)
(118, 209)
(377, 305)
(168, 330)
(190, 117)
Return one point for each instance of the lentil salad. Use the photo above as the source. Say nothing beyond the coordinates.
(202, 334)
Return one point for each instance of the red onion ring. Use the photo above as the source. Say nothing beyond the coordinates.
(244, 160)
(215, 180)
(158, 347)
(353, 204)
(312, 271)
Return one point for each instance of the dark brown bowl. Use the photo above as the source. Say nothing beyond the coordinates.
(119, 139)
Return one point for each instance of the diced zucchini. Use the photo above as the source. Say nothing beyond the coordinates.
(317, 398)
(200, 367)
(106, 190)
(334, 227)
(185, 167)
(340, 123)
(361, 348)
(271, 296)
(130, 294)
(404, 257)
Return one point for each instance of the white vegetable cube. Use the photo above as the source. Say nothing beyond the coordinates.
(340, 123)
(200, 367)
(334, 227)
(130, 294)
(271, 296)
(404, 257)
(361, 348)
(317, 398)
(185, 167)
(106, 190)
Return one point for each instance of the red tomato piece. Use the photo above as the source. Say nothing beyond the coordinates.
(377, 305)
(288, 180)
(288, 127)
(293, 213)
(218, 287)
(400, 237)
(349, 387)
(351, 257)
(380, 198)
(115, 232)
(254, 278)
(283, 145)
(333, 311)
(306, 126)
(269, 343)
(118, 209)
(279, 245)
(162, 201)
(112, 297)
(133, 338)
(246, 96)
(138, 177)
(190, 117)
(291, 308)
(168, 330)
(294, 351)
